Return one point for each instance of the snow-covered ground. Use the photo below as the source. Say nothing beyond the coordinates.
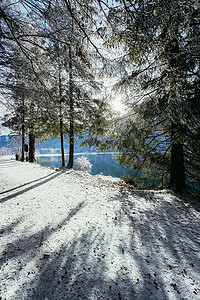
(70, 235)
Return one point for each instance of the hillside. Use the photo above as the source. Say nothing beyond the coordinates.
(71, 235)
(49, 146)
(54, 145)
(6, 141)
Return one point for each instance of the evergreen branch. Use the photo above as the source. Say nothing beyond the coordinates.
(191, 151)
(21, 47)
(193, 176)
(141, 97)
(104, 3)
(81, 27)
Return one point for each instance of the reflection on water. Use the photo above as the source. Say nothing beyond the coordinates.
(103, 163)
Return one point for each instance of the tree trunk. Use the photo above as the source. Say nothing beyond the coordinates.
(23, 129)
(71, 130)
(177, 170)
(31, 156)
(61, 120)
(62, 143)
(31, 147)
(23, 141)
(71, 146)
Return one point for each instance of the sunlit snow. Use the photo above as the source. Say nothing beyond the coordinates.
(66, 234)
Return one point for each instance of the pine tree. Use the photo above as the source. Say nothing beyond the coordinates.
(25, 99)
(72, 59)
(160, 68)
(60, 88)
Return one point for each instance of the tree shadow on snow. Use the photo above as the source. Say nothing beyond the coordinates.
(41, 180)
(165, 243)
(9, 163)
(79, 269)
(27, 183)
(153, 254)
(26, 243)
(77, 272)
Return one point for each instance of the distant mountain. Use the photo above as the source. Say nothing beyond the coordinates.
(54, 145)
(6, 141)
(49, 146)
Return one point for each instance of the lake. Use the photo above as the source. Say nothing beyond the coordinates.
(103, 163)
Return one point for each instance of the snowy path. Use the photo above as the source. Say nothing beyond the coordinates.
(68, 235)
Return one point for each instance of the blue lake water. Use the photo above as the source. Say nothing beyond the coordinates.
(103, 163)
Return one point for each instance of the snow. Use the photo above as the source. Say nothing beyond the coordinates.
(66, 234)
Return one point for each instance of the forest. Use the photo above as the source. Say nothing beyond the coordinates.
(56, 57)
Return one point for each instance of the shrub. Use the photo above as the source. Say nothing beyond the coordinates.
(83, 164)
(128, 179)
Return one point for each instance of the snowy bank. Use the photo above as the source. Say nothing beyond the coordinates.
(69, 235)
